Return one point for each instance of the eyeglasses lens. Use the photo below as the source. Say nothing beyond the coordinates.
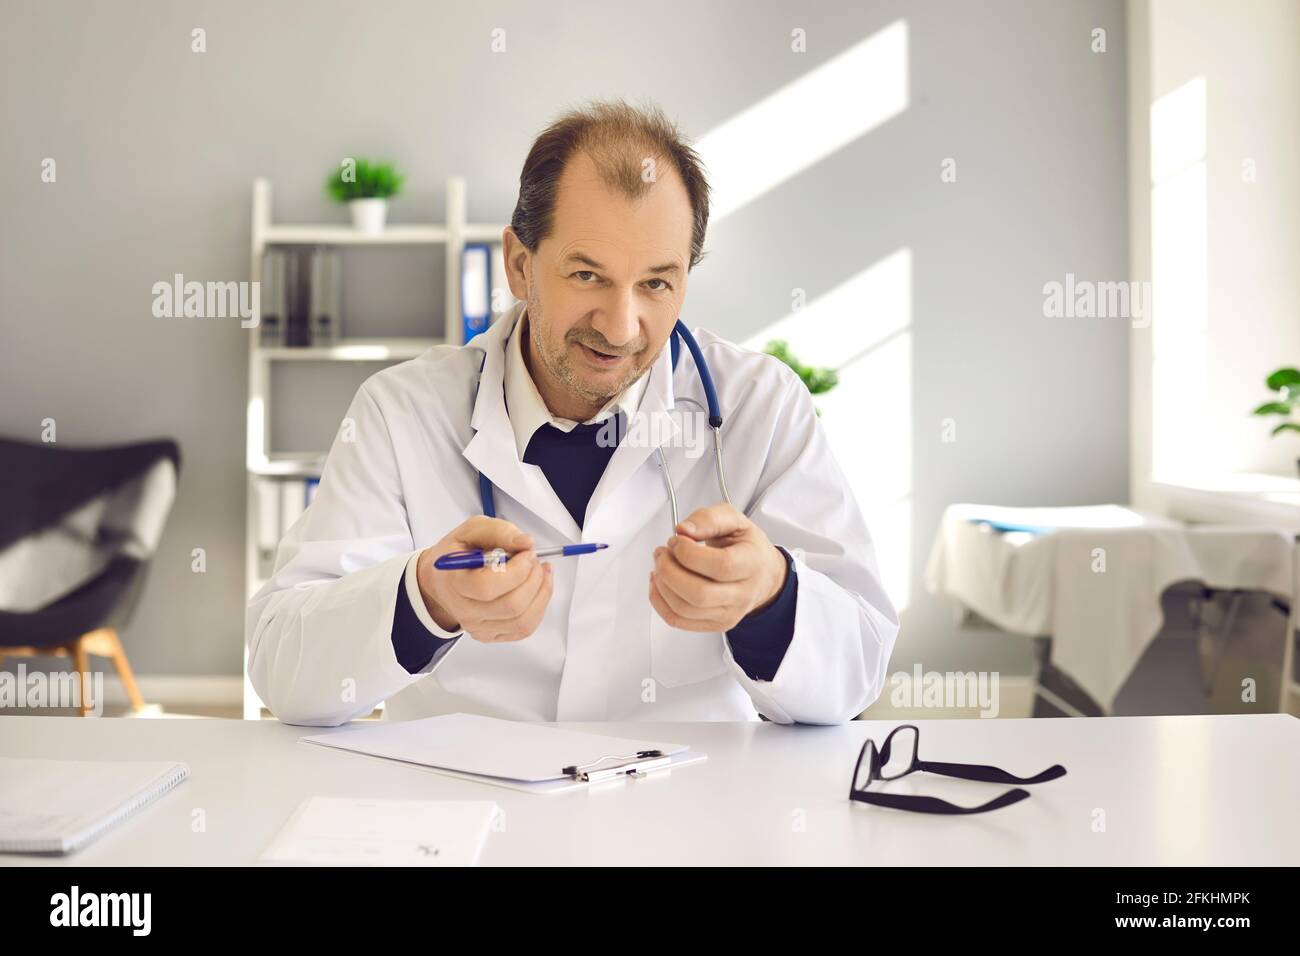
(899, 753)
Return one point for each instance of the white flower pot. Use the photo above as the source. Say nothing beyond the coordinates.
(369, 215)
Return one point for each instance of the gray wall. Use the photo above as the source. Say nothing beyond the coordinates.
(157, 148)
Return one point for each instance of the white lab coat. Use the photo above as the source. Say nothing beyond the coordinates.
(402, 474)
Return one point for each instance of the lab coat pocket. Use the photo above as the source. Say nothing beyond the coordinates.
(683, 657)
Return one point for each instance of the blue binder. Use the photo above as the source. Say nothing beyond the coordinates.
(475, 288)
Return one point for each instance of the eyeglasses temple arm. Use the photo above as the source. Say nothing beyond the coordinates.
(978, 771)
(919, 804)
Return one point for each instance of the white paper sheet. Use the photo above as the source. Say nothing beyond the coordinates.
(337, 831)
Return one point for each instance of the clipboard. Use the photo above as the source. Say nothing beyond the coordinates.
(528, 757)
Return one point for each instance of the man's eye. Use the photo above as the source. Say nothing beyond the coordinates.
(663, 286)
(582, 273)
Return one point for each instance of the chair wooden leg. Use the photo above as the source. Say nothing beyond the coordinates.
(102, 642)
(81, 663)
(105, 643)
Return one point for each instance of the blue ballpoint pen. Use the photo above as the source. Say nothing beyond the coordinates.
(496, 558)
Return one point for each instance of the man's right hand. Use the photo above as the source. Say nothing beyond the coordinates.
(489, 604)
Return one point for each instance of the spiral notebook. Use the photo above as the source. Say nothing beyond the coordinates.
(58, 806)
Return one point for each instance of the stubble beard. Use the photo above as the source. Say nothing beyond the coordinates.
(560, 366)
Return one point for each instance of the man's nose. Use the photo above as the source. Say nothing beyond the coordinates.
(618, 321)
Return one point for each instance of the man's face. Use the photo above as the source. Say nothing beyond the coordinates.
(605, 288)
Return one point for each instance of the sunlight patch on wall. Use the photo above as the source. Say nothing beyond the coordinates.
(863, 329)
(807, 120)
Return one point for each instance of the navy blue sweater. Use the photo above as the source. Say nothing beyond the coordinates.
(573, 462)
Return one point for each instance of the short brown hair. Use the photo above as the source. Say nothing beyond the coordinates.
(618, 138)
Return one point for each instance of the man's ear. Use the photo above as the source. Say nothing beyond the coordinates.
(518, 262)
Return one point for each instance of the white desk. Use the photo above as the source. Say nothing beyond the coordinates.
(1175, 790)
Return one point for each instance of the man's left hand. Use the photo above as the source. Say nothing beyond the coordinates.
(718, 568)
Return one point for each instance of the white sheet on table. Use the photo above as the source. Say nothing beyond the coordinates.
(1101, 621)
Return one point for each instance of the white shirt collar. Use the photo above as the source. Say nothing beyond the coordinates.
(527, 410)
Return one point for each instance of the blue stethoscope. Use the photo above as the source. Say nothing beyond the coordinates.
(679, 335)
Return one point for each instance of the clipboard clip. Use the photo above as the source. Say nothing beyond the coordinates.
(639, 764)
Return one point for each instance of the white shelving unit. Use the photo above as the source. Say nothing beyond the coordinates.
(263, 462)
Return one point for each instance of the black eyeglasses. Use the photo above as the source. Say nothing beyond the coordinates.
(897, 758)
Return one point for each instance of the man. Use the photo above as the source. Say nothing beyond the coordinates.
(772, 606)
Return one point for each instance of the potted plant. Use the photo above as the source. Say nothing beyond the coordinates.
(1285, 384)
(366, 187)
(817, 380)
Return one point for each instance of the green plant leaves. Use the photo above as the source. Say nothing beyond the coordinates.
(1286, 382)
(1283, 378)
(371, 181)
(1273, 408)
(817, 380)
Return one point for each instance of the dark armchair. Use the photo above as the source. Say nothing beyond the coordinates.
(77, 529)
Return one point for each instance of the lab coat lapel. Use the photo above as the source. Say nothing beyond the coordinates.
(492, 450)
